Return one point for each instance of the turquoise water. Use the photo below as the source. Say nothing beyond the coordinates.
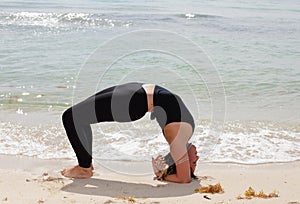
(254, 46)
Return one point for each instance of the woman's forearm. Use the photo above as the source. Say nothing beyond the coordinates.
(176, 179)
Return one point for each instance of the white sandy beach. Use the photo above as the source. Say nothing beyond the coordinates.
(30, 180)
(234, 64)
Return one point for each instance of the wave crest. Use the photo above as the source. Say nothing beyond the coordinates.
(59, 19)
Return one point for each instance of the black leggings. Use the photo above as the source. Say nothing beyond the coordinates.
(123, 103)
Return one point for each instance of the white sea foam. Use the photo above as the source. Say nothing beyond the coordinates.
(51, 19)
(261, 147)
(40, 141)
(137, 142)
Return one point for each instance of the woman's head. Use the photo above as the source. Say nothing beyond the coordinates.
(193, 157)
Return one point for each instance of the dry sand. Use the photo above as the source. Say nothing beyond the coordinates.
(30, 180)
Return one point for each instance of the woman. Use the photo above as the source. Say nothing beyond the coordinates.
(125, 103)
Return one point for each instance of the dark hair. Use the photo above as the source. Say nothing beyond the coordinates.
(172, 166)
(172, 170)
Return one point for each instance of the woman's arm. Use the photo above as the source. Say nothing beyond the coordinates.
(183, 173)
(177, 134)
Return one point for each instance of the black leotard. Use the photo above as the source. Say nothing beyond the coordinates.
(122, 103)
(169, 107)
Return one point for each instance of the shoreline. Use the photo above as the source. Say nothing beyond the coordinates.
(33, 180)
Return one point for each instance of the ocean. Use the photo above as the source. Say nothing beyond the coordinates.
(236, 65)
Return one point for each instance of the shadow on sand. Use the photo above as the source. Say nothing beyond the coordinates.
(102, 187)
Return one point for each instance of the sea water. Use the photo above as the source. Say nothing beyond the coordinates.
(253, 47)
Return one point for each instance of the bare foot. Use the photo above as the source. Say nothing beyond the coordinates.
(78, 172)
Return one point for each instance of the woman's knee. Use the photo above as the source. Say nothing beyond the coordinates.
(67, 116)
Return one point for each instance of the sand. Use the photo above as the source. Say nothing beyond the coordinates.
(31, 180)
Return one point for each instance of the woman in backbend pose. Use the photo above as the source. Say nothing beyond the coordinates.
(130, 102)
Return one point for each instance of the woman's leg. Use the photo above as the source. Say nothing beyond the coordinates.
(80, 137)
(128, 102)
(77, 122)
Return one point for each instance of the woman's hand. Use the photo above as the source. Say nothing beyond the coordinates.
(158, 165)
